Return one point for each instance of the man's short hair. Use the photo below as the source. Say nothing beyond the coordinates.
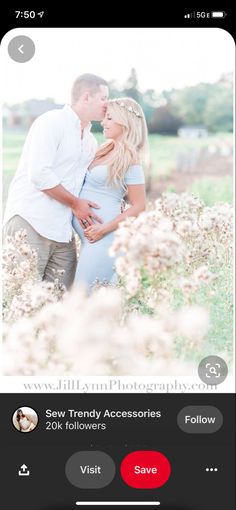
(84, 82)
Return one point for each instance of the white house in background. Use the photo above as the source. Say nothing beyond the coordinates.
(193, 131)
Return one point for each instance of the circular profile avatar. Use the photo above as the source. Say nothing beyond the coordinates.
(25, 419)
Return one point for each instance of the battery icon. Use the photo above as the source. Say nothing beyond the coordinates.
(218, 14)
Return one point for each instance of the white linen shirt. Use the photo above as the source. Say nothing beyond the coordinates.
(53, 154)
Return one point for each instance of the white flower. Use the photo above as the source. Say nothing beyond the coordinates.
(192, 322)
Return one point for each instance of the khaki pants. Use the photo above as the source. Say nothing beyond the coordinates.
(52, 255)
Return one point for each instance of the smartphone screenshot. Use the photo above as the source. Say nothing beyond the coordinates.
(117, 353)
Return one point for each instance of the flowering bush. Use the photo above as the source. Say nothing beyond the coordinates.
(172, 262)
(19, 264)
(23, 291)
(180, 234)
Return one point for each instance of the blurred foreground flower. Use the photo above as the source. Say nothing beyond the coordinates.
(88, 336)
(147, 326)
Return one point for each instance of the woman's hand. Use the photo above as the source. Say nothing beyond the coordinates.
(94, 233)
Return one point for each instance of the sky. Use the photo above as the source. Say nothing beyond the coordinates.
(164, 58)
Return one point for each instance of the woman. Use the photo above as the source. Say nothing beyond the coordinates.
(25, 423)
(116, 171)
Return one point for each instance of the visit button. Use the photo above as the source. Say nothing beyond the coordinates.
(145, 469)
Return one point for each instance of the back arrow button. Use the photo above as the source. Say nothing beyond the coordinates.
(21, 48)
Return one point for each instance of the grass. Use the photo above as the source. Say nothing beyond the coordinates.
(13, 139)
(214, 190)
(217, 298)
(220, 336)
(164, 151)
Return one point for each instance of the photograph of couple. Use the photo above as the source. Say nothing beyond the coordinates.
(118, 204)
(65, 182)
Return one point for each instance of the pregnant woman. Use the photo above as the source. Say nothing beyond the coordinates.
(25, 423)
(116, 171)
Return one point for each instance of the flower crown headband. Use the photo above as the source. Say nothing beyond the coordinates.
(129, 108)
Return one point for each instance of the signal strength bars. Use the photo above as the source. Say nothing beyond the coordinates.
(206, 15)
(190, 15)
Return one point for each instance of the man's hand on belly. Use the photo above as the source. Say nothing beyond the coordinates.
(81, 208)
(83, 212)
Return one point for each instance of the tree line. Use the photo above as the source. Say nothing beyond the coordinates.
(208, 104)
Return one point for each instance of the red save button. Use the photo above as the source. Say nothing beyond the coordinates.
(145, 469)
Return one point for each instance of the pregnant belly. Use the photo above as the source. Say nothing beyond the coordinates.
(25, 424)
(109, 208)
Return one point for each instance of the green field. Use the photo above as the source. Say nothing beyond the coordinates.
(164, 151)
(214, 190)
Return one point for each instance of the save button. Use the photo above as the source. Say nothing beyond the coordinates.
(145, 469)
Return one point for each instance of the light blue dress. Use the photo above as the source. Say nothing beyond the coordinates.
(95, 263)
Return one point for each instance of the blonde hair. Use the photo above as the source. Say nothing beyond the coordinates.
(133, 145)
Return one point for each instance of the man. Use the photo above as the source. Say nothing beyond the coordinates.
(44, 192)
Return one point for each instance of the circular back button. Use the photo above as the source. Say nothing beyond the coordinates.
(21, 48)
(145, 469)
